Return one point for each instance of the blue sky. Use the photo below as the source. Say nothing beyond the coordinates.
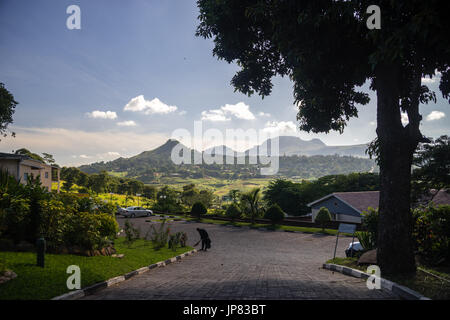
(133, 74)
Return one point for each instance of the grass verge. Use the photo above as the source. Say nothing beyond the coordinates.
(270, 227)
(423, 281)
(33, 282)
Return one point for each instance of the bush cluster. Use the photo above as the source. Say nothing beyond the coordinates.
(64, 220)
(274, 214)
(198, 209)
(233, 211)
(431, 234)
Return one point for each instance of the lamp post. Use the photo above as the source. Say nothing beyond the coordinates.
(138, 195)
(40, 252)
(163, 197)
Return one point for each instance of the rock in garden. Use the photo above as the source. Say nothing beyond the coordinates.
(7, 275)
(369, 257)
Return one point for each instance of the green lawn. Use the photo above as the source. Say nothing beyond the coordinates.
(272, 227)
(44, 283)
(423, 282)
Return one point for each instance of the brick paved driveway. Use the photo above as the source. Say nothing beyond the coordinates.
(246, 264)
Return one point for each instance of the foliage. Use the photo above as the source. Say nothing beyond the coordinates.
(432, 167)
(274, 214)
(233, 211)
(131, 233)
(432, 234)
(366, 239)
(323, 216)
(177, 239)
(7, 106)
(160, 236)
(191, 194)
(167, 200)
(251, 203)
(198, 209)
(28, 211)
(370, 223)
(294, 197)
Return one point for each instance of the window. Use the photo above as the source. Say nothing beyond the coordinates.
(46, 174)
(25, 176)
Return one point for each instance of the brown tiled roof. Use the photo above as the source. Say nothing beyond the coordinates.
(360, 200)
(442, 197)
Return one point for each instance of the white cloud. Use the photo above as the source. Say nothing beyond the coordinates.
(182, 112)
(263, 114)
(282, 127)
(435, 115)
(128, 123)
(372, 123)
(214, 115)
(102, 114)
(155, 106)
(83, 156)
(239, 110)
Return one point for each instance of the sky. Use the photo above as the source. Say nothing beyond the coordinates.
(132, 75)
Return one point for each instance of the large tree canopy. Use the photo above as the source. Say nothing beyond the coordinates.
(7, 105)
(327, 50)
(325, 47)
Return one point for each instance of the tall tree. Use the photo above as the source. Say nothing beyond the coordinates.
(7, 108)
(328, 51)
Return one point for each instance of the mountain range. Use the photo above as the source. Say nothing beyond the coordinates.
(297, 157)
(289, 145)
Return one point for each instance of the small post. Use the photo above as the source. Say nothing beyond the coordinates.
(335, 247)
(40, 257)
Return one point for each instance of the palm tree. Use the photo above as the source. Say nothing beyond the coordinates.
(252, 199)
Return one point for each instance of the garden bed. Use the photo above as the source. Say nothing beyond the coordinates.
(33, 282)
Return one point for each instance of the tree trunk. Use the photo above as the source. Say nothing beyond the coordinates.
(395, 253)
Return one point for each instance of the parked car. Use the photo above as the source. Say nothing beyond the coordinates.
(352, 248)
(120, 210)
(133, 212)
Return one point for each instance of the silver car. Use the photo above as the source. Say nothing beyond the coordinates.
(133, 212)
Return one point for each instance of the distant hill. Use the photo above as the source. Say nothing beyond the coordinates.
(297, 157)
(289, 146)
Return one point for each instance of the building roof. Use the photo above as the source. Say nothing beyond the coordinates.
(28, 160)
(359, 201)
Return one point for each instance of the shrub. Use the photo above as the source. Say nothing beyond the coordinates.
(233, 212)
(198, 209)
(370, 223)
(366, 239)
(323, 216)
(274, 214)
(131, 233)
(431, 234)
(159, 236)
(177, 239)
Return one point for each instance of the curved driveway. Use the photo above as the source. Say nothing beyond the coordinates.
(246, 264)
